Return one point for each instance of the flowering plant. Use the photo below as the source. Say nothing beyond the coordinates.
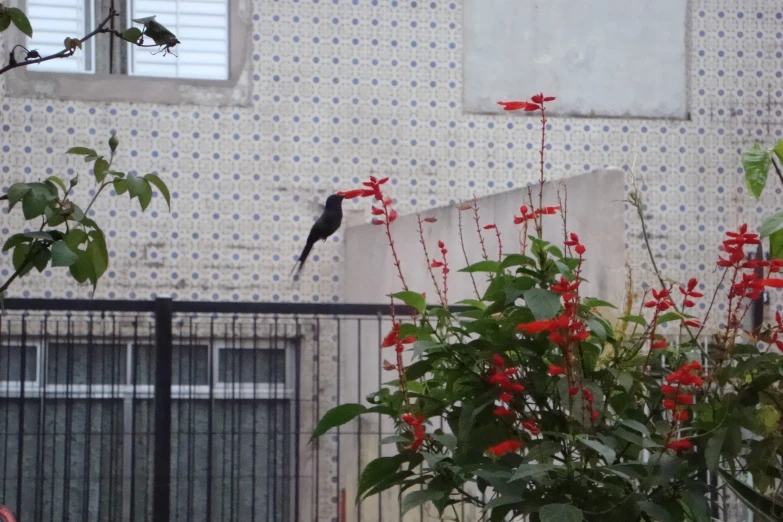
(553, 412)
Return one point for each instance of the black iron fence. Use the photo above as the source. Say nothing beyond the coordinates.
(184, 411)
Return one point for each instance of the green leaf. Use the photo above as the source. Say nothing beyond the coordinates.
(636, 426)
(37, 199)
(778, 150)
(543, 303)
(62, 255)
(20, 20)
(447, 439)
(15, 240)
(560, 513)
(668, 317)
(475, 303)
(5, 21)
(131, 34)
(16, 192)
(139, 188)
(592, 302)
(99, 259)
(41, 257)
(602, 449)
(502, 501)
(756, 163)
(82, 270)
(412, 299)
(58, 182)
(100, 169)
(120, 186)
(417, 498)
(772, 224)
(654, 510)
(482, 266)
(162, 188)
(714, 447)
(75, 237)
(776, 245)
(82, 151)
(376, 471)
(525, 471)
(517, 260)
(432, 459)
(758, 503)
(43, 236)
(637, 319)
(337, 417)
(19, 257)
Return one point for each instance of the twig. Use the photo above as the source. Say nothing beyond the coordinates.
(465, 253)
(777, 169)
(66, 53)
(478, 228)
(429, 264)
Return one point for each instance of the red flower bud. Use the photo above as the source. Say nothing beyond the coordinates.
(506, 397)
(669, 404)
(555, 370)
(573, 391)
(579, 249)
(685, 399)
(489, 227)
(430, 220)
(681, 415)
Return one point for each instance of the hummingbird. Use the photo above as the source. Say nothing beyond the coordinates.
(325, 226)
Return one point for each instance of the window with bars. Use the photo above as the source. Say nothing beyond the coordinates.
(212, 56)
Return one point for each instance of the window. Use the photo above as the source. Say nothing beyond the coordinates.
(11, 359)
(213, 53)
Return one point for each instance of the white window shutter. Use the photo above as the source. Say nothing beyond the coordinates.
(201, 26)
(53, 21)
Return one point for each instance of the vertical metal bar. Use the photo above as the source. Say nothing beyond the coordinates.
(88, 423)
(54, 422)
(41, 457)
(211, 380)
(7, 414)
(286, 412)
(224, 415)
(68, 419)
(340, 495)
(161, 497)
(297, 417)
(269, 430)
(359, 399)
(192, 368)
(379, 319)
(275, 431)
(317, 413)
(20, 447)
(177, 431)
(234, 446)
(253, 432)
(133, 366)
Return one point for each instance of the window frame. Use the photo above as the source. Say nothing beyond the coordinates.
(14, 387)
(101, 87)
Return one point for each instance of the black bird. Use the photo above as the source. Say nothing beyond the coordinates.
(326, 225)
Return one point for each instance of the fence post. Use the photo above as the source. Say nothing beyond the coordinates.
(161, 480)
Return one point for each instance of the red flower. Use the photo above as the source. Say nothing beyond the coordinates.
(680, 445)
(573, 391)
(539, 98)
(490, 227)
(376, 211)
(392, 216)
(350, 194)
(555, 370)
(669, 404)
(659, 344)
(531, 426)
(692, 323)
(509, 446)
(771, 283)
(436, 264)
(668, 389)
(593, 414)
(506, 397)
(512, 386)
(498, 360)
(515, 105)
(685, 399)
(502, 411)
(681, 415)
(535, 327)
(579, 249)
(417, 426)
(377, 221)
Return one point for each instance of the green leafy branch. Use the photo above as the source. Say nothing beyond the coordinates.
(81, 246)
(161, 37)
(757, 163)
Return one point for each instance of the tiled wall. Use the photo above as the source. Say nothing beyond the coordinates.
(346, 88)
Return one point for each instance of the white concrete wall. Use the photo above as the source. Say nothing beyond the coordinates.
(595, 213)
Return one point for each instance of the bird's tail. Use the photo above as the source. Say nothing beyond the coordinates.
(302, 258)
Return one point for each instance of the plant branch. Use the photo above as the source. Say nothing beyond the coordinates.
(777, 169)
(66, 53)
